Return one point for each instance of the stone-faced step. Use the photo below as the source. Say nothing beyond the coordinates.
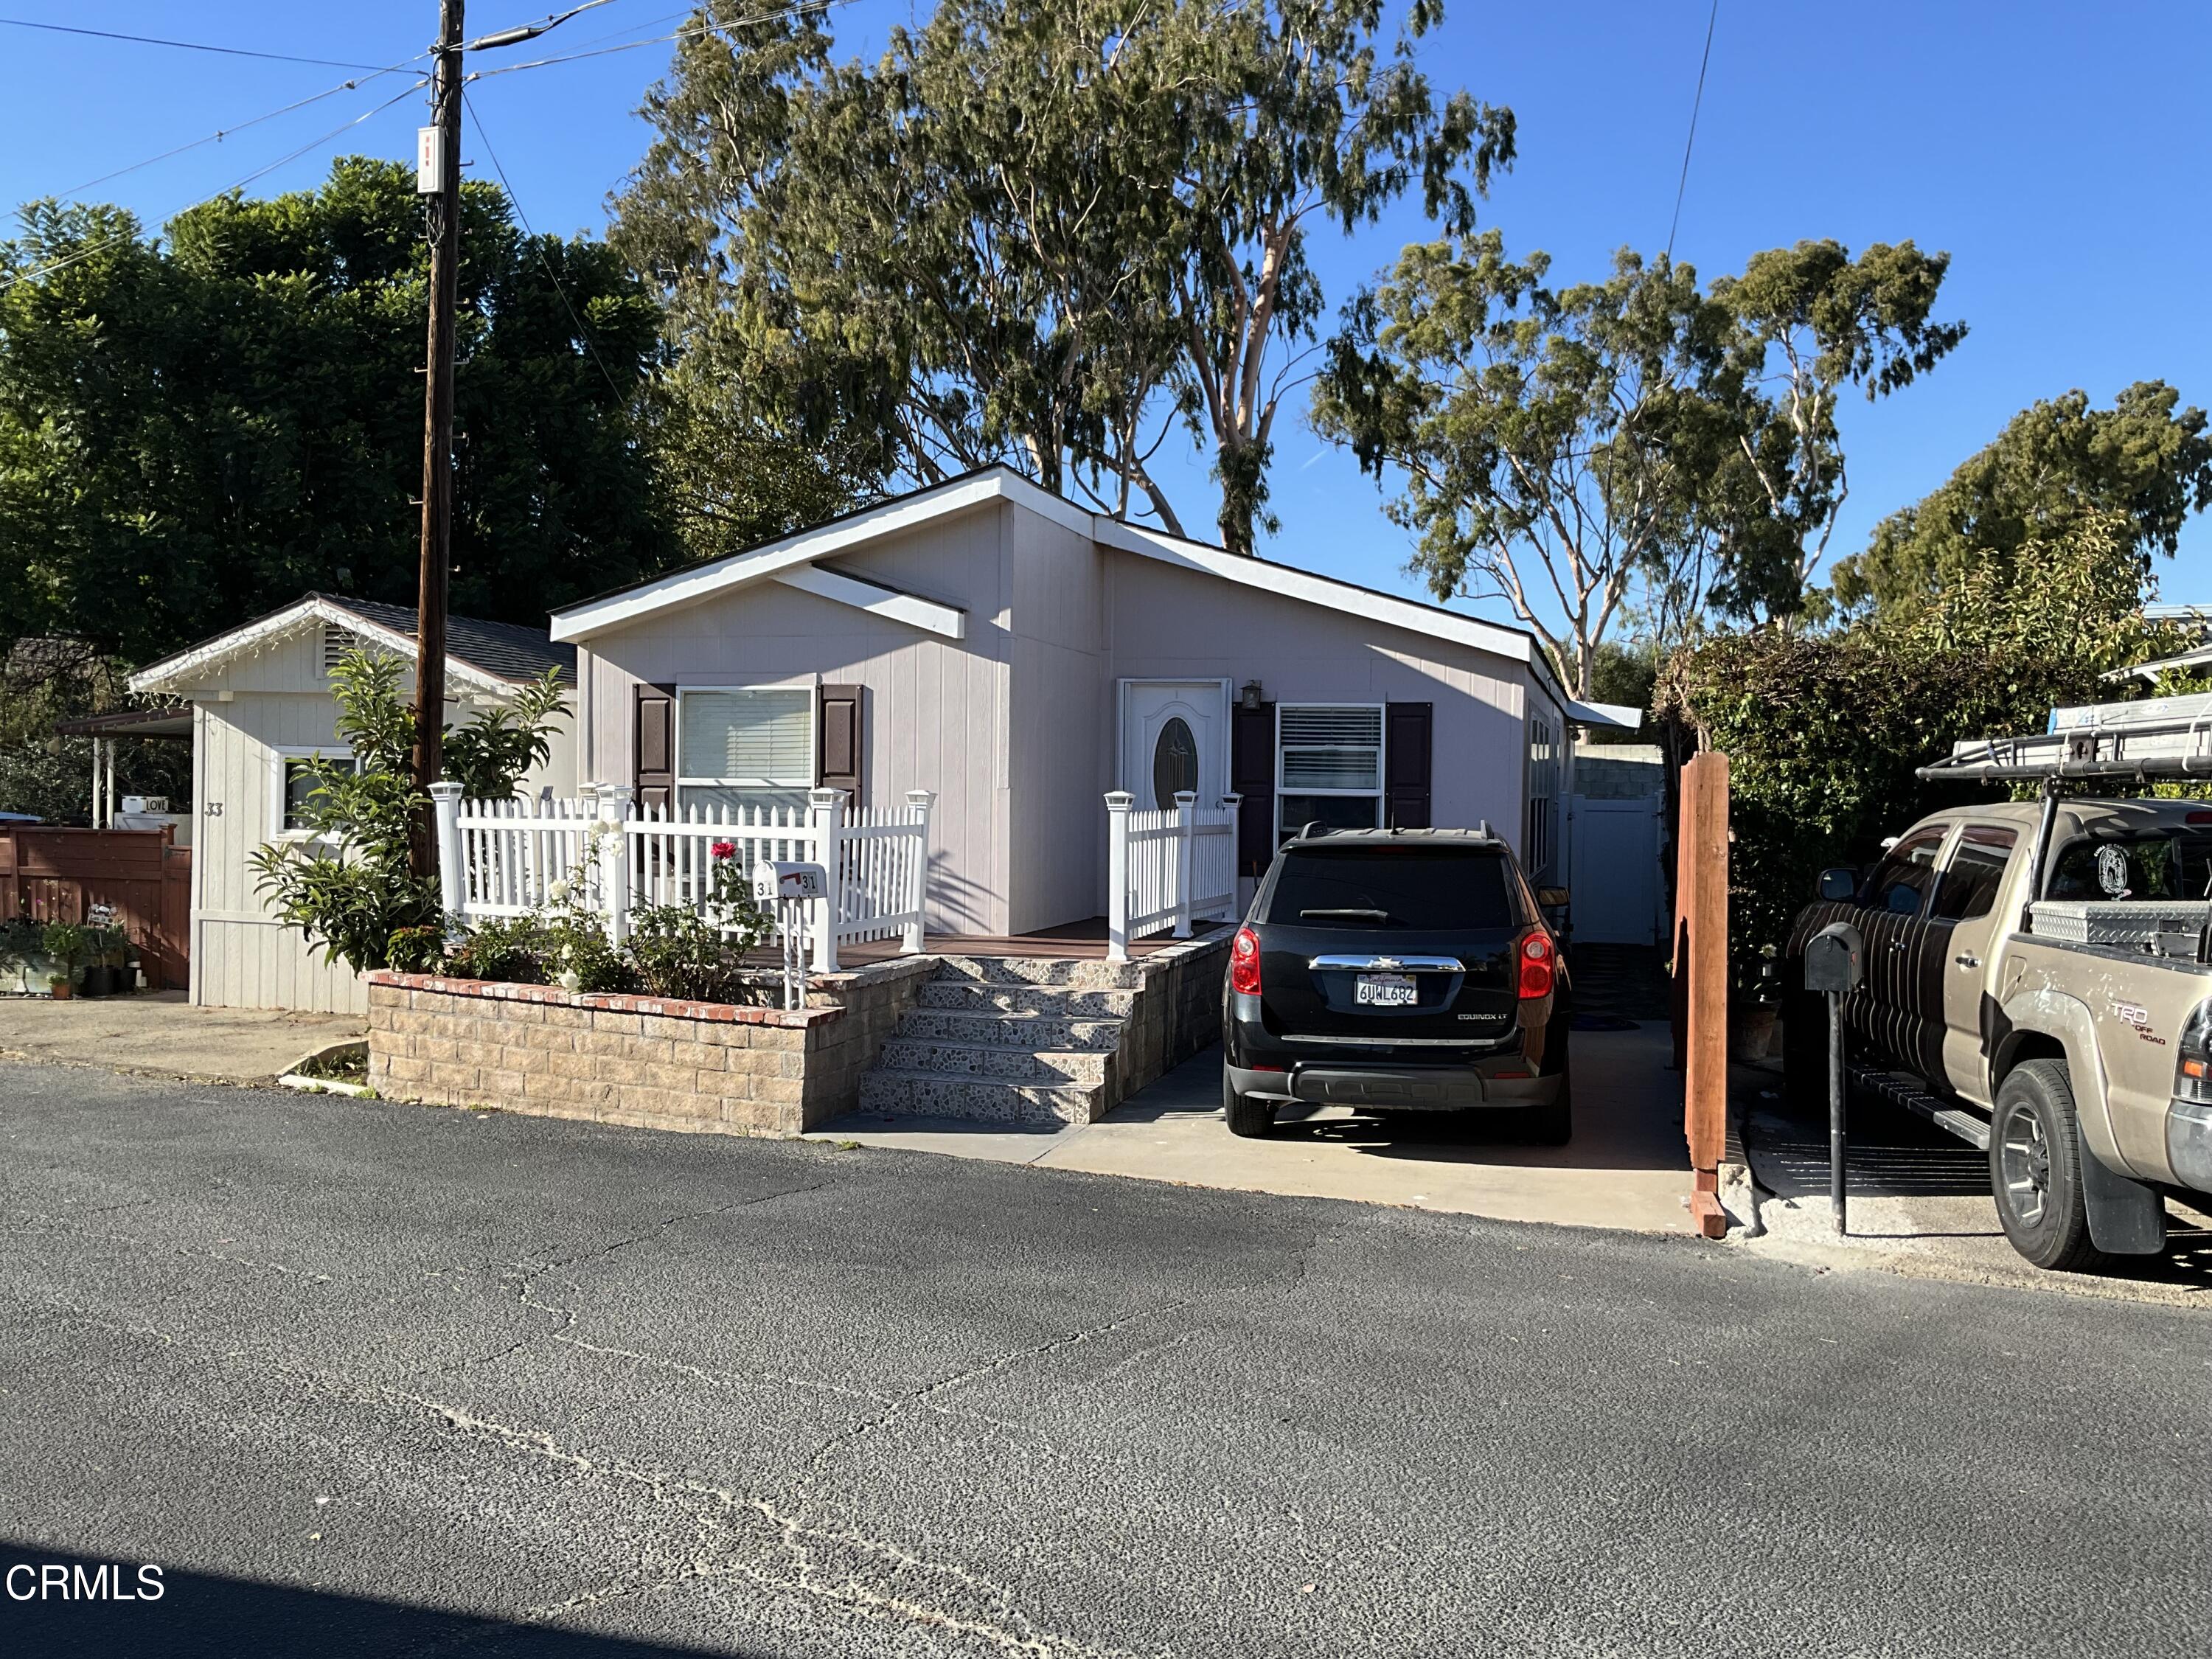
(1045, 1068)
(1011, 1031)
(1068, 1001)
(1084, 973)
(931, 1094)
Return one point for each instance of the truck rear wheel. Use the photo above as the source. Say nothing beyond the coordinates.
(2035, 1168)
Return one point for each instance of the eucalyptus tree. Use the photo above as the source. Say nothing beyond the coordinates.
(2144, 466)
(1554, 444)
(1810, 322)
(1048, 234)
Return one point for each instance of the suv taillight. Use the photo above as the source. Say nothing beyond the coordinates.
(1538, 961)
(1244, 963)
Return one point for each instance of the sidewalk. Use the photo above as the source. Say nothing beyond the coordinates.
(162, 1035)
(1918, 1203)
(1625, 1168)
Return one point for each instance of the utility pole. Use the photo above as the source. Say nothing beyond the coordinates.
(442, 160)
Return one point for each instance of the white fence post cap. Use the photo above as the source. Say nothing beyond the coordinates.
(1119, 800)
(443, 790)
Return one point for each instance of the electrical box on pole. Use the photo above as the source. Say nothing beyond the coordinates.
(429, 161)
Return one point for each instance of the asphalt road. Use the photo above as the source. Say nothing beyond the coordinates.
(372, 1379)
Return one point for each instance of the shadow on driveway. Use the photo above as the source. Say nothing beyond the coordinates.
(209, 1616)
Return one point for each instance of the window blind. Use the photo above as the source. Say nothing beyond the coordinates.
(748, 737)
(1326, 748)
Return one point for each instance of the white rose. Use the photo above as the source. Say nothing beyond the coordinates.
(558, 892)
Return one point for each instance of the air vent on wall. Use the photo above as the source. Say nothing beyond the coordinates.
(336, 641)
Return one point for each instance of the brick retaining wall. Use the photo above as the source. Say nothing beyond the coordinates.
(649, 1062)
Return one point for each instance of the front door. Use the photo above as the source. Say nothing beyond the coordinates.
(1175, 735)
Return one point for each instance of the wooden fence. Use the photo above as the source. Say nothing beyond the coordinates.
(1701, 980)
(58, 875)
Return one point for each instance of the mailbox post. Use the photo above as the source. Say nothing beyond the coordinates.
(791, 888)
(1833, 966)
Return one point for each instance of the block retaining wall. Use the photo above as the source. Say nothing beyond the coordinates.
(647, 1062)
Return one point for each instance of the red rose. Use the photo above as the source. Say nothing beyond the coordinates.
(723, 849)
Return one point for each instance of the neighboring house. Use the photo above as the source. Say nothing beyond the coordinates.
(1021, 657)
(261, 708)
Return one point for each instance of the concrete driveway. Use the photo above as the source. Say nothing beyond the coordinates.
(162, 1035)
(1625, 1167)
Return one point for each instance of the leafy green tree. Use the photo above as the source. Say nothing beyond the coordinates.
(1810, 322)
(1823, 731)
(197, 428)
(2056, 465)
(346, 882)
(1034, 233)
(1554, 443)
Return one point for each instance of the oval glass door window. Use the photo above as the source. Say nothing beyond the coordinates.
(1175, 762)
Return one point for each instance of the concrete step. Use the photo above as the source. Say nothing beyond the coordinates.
(1008, 1030)
(1049, 1068)
(933, 1094)
(1090, 973)
(1066, 1001)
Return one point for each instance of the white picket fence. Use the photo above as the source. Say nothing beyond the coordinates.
(1167, 869)
(501, 858)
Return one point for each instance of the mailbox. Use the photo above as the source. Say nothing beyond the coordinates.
(778, 880)
(1834, 959)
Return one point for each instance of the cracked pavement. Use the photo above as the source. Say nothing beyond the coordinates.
(376, 1379)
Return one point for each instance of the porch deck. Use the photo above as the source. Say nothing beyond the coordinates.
(1075, 941)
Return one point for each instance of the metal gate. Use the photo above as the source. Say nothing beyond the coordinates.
(1616, 880)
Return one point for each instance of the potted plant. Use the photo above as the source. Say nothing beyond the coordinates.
(66, 947)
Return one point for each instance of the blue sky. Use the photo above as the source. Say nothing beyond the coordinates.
(2057, 151)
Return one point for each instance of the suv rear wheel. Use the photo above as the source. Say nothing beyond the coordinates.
(1554, 1124)
(2035, 1168)
(1247, 1115)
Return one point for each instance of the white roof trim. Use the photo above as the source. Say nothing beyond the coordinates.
(2150, 671)
(1316, 590)
(188, 666)
(581, 622)
(1624, 716)
(801, 549)
(879, 599)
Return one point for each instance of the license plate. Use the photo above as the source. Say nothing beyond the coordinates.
(1383, 991)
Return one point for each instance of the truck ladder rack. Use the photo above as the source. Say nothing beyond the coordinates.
(2158, 738)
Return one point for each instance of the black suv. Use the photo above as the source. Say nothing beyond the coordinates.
(1396, 970)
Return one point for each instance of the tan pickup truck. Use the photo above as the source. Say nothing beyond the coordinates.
(2041, 970)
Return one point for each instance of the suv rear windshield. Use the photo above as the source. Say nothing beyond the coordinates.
(1431, 888)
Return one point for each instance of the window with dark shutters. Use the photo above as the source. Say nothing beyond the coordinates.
(1406, 759)
(838, 760)
(653, 745)
(1252, 775)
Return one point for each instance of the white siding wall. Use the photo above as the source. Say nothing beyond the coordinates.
(1172, 623)
(242, 957)
(937, 710)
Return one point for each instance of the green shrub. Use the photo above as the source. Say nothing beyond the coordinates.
(1823, 731)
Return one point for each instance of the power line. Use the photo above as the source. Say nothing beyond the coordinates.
(220, 133)
(1696, 104)
(802, 9)
(84, 253)
(536, 247)
(187, 46)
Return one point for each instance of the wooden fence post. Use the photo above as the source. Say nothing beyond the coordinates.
(1701, 965)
